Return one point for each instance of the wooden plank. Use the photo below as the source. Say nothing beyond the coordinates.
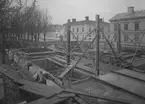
(41, 89)
(10, 73)
(127, 84)
(93, 87)
(80, 101)
(132, 74)
(108, 98)
(16, 75)
(53, 100)
(56, 62)
(41, 53)
(1, 89)
(66, 70)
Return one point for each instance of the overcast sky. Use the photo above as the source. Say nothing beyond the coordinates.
(61, 10)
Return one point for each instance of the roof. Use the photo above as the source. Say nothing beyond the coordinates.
(89, 22)
(126, 15)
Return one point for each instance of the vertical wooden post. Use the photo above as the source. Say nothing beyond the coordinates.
(97, 45)
(3, 47)
(68, 41)
(118, 38)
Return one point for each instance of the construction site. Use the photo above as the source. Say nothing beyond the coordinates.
(66, 74)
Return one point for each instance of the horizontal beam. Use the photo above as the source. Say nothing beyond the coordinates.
(129, 76)
(118, 87)
(98, 97)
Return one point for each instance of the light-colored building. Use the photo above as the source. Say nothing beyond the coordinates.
(81, 28)
(132, 24)
(54, 33)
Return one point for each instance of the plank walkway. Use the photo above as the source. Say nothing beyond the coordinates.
(131, 73)
(47, 101)
(41, 89)
(97, 89)
(128, 81)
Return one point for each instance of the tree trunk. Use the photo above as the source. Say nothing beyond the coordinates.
(35, 37)
(44, 37)
(38, 36)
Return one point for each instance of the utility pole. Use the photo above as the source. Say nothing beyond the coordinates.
(68, 41)
(118, 38)
(97, 45)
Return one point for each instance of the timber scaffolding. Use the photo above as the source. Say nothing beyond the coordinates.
(44, 77)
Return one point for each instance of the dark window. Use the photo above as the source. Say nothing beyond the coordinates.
(115, 38)
(125, 37)
(126, 26)
(82, 29)
(103, 37)
(99, 36)
(108, 36)
(136, 37)
(73, 37)
(77, 29)
(136, 26)
(89, 29)
(82, 36)
(89, 37)
(73, 30)
(115, 26)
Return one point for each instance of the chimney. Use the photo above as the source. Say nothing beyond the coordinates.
(130, 9)
(73, 20)
(87, 18)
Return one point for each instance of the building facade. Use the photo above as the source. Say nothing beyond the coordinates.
(80, 29)
(132, 25)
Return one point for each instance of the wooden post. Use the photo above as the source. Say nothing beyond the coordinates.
(97, 45)
(118, 38)
(3, 48)
(68, 41)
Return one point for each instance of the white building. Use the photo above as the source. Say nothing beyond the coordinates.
(81, 28)
(132, 23)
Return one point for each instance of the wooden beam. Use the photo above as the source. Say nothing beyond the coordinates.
(1, 89)
(98, 97)
(97, 45)
(68, 42)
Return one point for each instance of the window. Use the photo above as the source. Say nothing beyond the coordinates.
(103, 37)
(89, 37)
(73, 29)
(125, 37)
(82, 37)
(115, 38)
(126, 26)
(77, 29)
(136, 26)
(99, 36)
(108, 36)
(115, 26)
(82, 29)
(73, 37)
(77, 37)
(89, 29)
(136, 37)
